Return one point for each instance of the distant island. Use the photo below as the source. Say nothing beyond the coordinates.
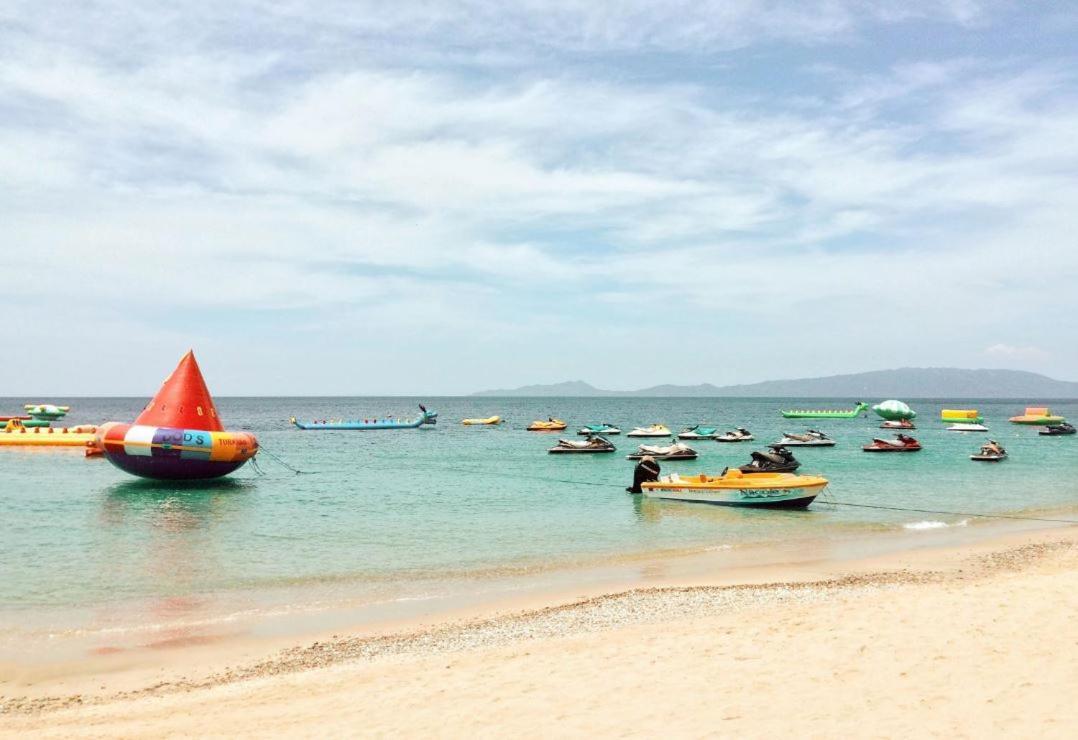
(906, 382)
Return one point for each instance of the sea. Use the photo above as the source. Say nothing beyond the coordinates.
(381, 519)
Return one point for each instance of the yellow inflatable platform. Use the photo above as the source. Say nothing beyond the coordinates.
(14, 434)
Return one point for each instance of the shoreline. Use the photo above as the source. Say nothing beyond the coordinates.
(536, 618)
(275, 618)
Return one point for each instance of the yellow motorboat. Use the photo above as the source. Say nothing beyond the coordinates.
(550, 425)
(489, 421)
(735, 488)
(14, 434)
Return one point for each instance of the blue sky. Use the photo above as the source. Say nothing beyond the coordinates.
(393, 197)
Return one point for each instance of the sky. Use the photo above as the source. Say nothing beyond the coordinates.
(366, 197)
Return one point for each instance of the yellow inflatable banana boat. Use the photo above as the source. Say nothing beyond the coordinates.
(490, 420)
(14, 434)
(550, 425)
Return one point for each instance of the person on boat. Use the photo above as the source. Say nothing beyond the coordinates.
(596, 441)
(906, 439)
(992, 448)
(646, 470)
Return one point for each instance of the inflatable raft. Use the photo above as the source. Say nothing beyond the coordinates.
(550, 425)
(1037, 415)
(489, 421)
(826, 414)
(894, 411)
(370, 425)
(16, 434)
(179, 435)
(961, 416)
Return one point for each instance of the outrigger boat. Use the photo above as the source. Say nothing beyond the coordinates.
(676, 451)
(655, 430)
(826, 414)
(738, 435)
(591, 445)
(698, 432)
(734, 488)
(589, 429)
(369, 425)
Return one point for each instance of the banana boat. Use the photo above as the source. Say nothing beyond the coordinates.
(489, 421)
(16, 434)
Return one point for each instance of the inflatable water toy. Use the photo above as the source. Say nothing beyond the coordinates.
(776, 460)
(676, 451)
(590, 445)
(894, 411)
(961, 416)
(738, 435)
(898, 424)
(967, 428)
(901, 443)
(550, 425)
(1037, 415)
(1057, 430)
(826, 414)
(179, 435)
(734, 488)
(489, 421)
(16, 434)
(810, 438)
(990, 452)
(370, 425)
(38, 415)
(655, 430)
(698, 432)
(588, 429)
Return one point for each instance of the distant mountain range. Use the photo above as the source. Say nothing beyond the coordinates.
(906, 382)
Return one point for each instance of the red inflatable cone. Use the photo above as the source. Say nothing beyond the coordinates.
(183, 402)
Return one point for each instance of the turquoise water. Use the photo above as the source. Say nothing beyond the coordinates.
(381, 510)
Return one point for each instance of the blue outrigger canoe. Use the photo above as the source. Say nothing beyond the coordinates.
(370, 425)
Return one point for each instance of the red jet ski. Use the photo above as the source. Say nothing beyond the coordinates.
(901, 443)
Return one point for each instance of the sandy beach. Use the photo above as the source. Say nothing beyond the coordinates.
(971, 641)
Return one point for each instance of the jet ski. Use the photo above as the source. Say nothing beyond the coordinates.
(776, 460)
(990, 452)
(738, 435)
(898, 424)
(655, 430)
(676, 451)
(698, 432)
(901, 443)
(1055, 430)
(591, 445)
(810, 438)
(550, 425)
(590, 429)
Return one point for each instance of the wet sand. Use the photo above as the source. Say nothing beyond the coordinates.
(970, 640)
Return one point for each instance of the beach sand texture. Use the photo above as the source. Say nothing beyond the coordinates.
(985, 644)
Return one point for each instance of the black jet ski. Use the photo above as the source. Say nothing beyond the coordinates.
(775, 460)
(990, 452)
(1055, 430)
